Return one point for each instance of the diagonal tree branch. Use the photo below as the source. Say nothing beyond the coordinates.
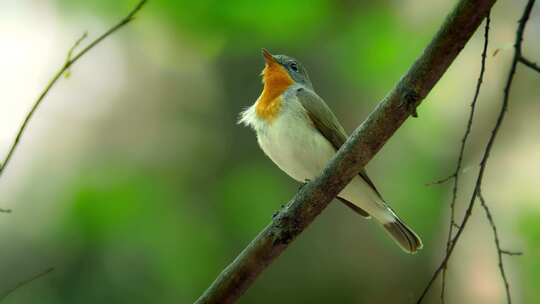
(70, 60)
(361, 146)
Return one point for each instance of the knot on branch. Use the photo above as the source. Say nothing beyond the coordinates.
(410, 99)
(287, 228)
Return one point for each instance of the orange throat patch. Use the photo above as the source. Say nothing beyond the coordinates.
(276, 80)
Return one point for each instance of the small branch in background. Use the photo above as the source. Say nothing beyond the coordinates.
(497, 245)
(483, 164)
(529, 63)
(64, 70)
(442, 181)
(6, 293)
(67, 73)
(511, 253)
(71, 59)
(455, 176)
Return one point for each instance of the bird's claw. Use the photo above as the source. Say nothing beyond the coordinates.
(278, 211)
(306, 181)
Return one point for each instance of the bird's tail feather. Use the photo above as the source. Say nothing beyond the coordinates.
(407, 239)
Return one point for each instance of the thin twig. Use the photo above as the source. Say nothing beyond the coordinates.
(511, 253)
(529, 63)
(452, 224)
(6, 293)
(483, 164)
(442, 181)
(5, 210)
(69, 62)
(497, 245)
(72, 49)
(75, 46)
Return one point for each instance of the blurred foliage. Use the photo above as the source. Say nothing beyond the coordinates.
(530, 228)
(390, 51)
(135, 234)
(240, 22)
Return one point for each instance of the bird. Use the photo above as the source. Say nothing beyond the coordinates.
(297, 130)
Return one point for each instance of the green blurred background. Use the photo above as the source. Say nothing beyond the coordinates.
(136, 184)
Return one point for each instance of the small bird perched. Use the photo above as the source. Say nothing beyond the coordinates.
(300, 134)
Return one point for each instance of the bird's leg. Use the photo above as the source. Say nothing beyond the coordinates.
(306, 181)
(302, 185)
(278, 211)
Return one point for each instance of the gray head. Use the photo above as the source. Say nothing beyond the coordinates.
(293, 67)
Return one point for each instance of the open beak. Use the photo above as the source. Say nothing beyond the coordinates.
(268, 57)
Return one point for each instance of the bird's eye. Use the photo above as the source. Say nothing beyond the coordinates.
(293, 66)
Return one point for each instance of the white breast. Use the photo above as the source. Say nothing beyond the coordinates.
(291, 141)
(293, 144)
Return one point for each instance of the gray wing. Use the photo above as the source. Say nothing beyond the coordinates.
(327, 124)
